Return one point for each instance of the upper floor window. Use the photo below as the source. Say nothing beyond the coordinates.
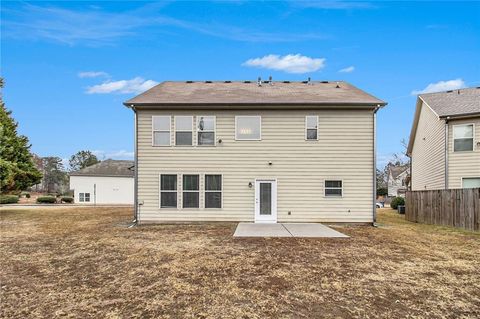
(248, 128)
(334, 188)
(206, 130)
(463, 138)
(311, 127)
(161, 130)
(183, 130)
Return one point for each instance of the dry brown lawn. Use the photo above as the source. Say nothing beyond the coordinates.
(84, 262)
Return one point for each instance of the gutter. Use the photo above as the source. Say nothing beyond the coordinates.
(135, 179)
(375, 164)
(446, 152)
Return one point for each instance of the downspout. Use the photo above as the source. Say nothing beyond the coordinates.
(446, 153)
(375, 164)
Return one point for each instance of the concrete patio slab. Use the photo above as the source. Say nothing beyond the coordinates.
(261, 230)
(311, 230)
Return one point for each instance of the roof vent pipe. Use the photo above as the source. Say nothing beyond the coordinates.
(270, 80)
(309, 81)
(259, 81)
(338, 86)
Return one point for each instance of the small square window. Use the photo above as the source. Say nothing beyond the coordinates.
(334, 188)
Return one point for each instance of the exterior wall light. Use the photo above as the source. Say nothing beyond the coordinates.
(250, 185)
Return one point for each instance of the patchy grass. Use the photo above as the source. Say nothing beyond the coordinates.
(84, 262)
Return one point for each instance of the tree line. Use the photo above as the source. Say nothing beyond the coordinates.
(20, 169)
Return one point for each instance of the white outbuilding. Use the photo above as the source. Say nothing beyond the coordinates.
(108, 182)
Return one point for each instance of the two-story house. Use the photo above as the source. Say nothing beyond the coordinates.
(444, 144)
(255, 151)
(397, 180)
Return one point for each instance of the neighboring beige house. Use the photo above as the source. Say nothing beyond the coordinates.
(107, 182)
(444, 144)
(397, 180)
(255, 151)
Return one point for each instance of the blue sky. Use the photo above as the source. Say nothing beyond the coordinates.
(69, 66)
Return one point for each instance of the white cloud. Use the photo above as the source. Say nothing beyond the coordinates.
(92, 74)
(441, 86)
(349, 69)
(121, 154)
(136, 85)
(291, 63)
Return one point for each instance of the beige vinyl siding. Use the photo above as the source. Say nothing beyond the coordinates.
(428, 153)
(463, 164)
(343, 151)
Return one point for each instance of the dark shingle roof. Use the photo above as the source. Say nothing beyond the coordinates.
(454, 103)
(109, 167)
(241, 93)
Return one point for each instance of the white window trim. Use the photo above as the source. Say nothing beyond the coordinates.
(160, 190)
(473, 137)
(169, 131)
(325, 188)
(199, 191)
(248, 139)
(306, 128)
(175, 131)
(214, 131)
(205, 191)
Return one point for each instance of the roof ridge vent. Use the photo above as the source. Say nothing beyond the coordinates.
(189, 81)
(247, 81)
(325, 82)
(208, 81)
(286, 81)
(227, 81)
(259, 81)
(449, 91)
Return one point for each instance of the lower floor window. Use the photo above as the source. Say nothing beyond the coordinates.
(168, 191)
(333, 188)
(84, 197)
(191, 191)
(470, 182)
(213, 191)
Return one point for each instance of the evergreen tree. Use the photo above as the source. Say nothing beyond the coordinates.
(82, 159)
(17, 169)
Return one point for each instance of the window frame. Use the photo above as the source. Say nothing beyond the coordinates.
(190, 191)
(467, 177)
(248, 139)
(332, 180)
(175, 130)
(169, 131)
(205, 191)
(169, 191)
(473, 137)
(198, 131)
(307, 128)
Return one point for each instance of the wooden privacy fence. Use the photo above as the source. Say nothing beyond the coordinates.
(452, 207)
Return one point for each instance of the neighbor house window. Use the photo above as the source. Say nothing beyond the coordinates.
(333, 188)
(463, 138)
(470, 182)
(248, 128)
(206, 130)
(213, 191)
(161, 130)
(168, 191)
(183, 130)
(191, 191)
(311, 128)
(84, 197)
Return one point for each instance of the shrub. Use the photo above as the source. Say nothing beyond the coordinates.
(67, 199)
(8, 199)
(46, 199)
(397, 201)
(27, 195)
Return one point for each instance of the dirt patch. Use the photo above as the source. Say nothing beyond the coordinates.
(81, 263)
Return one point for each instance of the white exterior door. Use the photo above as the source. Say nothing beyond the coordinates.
(265, 201)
